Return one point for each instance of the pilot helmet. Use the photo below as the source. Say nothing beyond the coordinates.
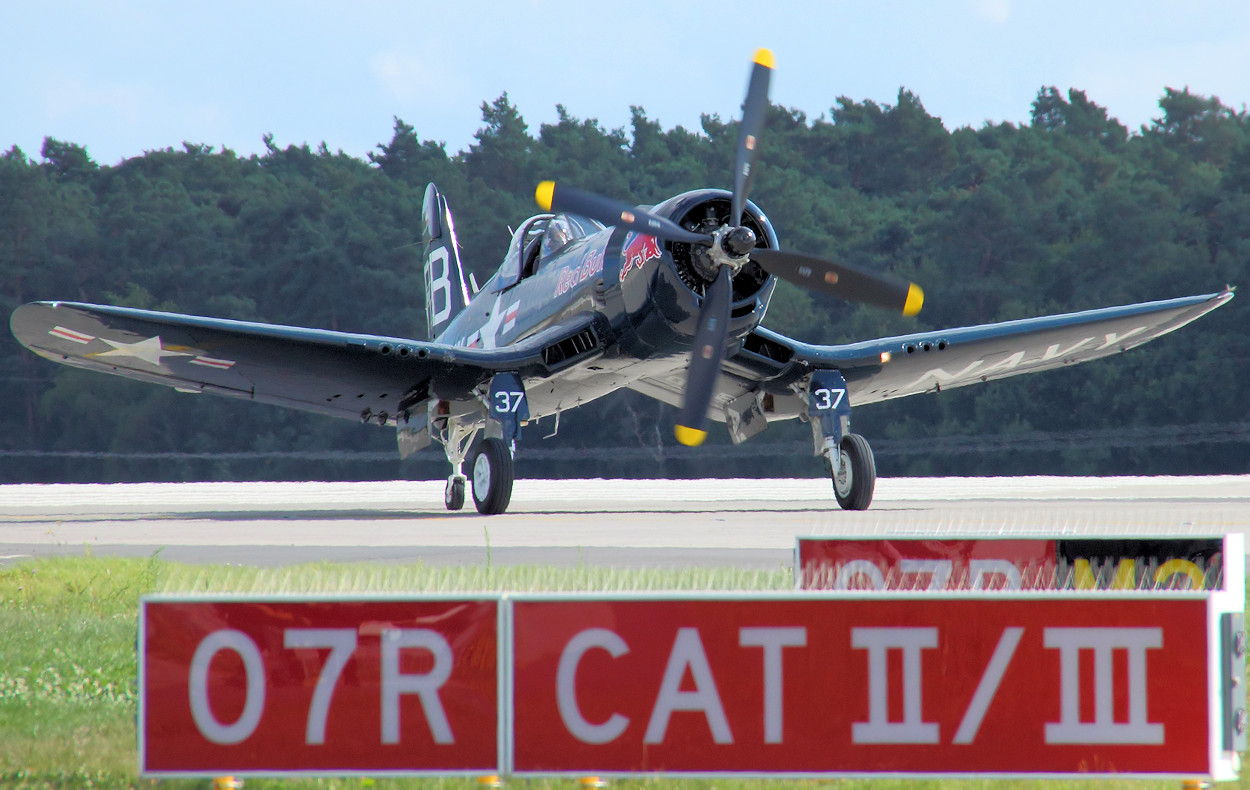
(557, 234)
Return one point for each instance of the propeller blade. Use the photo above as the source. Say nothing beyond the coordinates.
(843, 280)
(705, 359)
(754, 110)
(556, 197)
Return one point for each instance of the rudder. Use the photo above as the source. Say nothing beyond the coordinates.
(445, 291)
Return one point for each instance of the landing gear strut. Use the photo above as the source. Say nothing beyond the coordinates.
(491, 469)
(493, 473)
(456, 442)
(847, 455)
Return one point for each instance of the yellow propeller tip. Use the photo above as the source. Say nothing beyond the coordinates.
(544, 193)
(691, 437)
(764, 57)
(915, 300)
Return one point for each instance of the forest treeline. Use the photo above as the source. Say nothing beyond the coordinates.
(1068, 212)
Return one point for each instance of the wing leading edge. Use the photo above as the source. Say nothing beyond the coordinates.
(894, 367)
(364, 377)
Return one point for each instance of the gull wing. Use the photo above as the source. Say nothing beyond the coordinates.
(353, 376)
(894, 367)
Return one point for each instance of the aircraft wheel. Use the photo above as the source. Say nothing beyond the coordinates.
(854, 484)
(453, 496)
(492, 477)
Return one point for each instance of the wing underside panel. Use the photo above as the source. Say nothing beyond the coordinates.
(342, 375)
(352, 376)
(895, 367)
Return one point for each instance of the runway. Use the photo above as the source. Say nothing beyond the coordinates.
(635, 523)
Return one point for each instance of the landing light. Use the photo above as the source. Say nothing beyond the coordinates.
(885, 357)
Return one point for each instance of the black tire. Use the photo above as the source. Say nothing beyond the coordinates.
(492, 477)
(854, 487)
(453, 495)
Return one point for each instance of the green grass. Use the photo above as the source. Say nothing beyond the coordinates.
(68, 665)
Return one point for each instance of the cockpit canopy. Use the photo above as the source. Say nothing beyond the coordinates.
(537, 240)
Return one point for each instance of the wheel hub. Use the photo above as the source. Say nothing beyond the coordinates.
(844, 478)
(481, 476)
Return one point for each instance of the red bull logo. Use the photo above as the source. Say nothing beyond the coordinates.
(638, 250)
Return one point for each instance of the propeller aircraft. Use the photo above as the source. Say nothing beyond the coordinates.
(595, 295)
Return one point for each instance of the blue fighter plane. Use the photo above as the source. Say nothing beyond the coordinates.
(592, 296)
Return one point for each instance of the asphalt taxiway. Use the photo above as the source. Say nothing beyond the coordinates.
(636, 523)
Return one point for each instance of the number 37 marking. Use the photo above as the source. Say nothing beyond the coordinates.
(508, 402)
(826, 398)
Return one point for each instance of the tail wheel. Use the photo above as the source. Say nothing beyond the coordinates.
(854, 483)
(492, 477)
(453, 495)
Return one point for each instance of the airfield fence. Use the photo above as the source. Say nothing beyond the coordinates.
(1023, 442)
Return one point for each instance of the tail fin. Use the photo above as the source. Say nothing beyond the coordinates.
(445, 291)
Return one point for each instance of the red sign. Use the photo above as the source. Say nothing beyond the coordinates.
(818, 685)
(342, 686)
(982, 564)
(1186, 563)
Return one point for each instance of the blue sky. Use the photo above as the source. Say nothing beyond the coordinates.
(127, 76)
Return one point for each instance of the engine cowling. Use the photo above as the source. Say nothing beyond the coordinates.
(703, 211)
(683, 278)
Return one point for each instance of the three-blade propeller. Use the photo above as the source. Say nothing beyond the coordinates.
(731, 248)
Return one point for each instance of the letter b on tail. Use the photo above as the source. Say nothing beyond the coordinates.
(445, 291)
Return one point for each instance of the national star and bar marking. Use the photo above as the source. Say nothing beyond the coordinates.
(152, 350)
(209, 362)
(71, 335)
(509, 319)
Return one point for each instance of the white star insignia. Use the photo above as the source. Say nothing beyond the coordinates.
(149, 351)
(490, 330)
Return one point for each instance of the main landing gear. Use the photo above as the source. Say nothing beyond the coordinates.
(492, 471)
(855, 476)
(847, 455)
(492, 477)
(492, 467)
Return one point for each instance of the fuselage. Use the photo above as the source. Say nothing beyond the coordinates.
(645, 294)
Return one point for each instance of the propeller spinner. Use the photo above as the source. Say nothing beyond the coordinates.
(730, 248)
